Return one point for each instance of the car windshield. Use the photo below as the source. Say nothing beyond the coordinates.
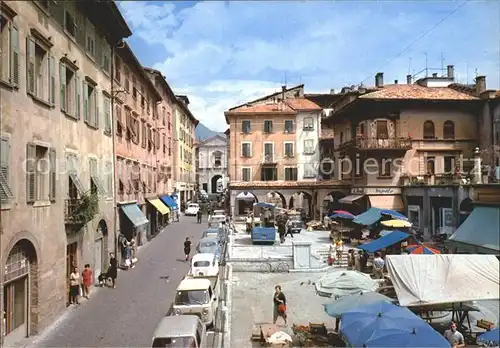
(201, 264)
(210, 234)
(190, 297)
(175, 342)
(193, 206)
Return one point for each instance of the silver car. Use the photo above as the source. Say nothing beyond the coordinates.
(209, 245)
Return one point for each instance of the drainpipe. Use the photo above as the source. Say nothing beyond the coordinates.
(113, 136)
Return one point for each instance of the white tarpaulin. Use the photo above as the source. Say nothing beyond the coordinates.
(444, 278)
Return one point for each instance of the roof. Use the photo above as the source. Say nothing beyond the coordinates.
(194, 284)
(203, 257)
(268, 96)
(274, 108)
(186, 110)
(176, 326)
(158, 73)
(385, 241)
(284, 184)
(324, 100)
(417, 92)
(207, 140)
(302, 104)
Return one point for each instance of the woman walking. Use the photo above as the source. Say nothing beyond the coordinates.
(74, 286)
(187, 248)
(279, 302)
(87, 280)
(113, 269)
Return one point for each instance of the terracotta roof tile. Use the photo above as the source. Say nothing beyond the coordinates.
(263, 108)
(302, 104)
(284, 184)
(417, 92)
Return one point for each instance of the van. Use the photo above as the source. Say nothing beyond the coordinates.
(185, 331)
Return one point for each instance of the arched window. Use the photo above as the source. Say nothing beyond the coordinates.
(449, 130)
(217, 157)
(429, 130)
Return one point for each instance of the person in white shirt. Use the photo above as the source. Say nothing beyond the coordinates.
(378, 266)
(454, 337)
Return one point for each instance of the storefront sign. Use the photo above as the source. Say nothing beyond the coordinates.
(375, 191)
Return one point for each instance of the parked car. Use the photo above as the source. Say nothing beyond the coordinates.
(209, 245)
(216, 220)
(204, 265)
(184, 331)
(296, 224)
(197, 295)
(192, 209)
(211, 233)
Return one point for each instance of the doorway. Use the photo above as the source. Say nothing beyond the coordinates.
(71, 261)
(98, 249)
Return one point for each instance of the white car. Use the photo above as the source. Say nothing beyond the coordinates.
(192, 209)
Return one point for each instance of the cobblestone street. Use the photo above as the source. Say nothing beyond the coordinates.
(127, 316)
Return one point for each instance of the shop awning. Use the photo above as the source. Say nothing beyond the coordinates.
(392, 202)
(369, 217)
(134, 214)
(480, 230)
(169, 202)
(162, 208)
(350, 199)
(384, 242)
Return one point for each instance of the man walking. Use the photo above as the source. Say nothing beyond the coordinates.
(199, 216)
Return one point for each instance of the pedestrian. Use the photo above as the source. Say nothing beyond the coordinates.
(133, 253)
(350, 259)
(357, 261)
(378, 266)
(288, 225)
(454, 337)
(364, 260)
(199, 216)
(112, 269)
(86, 280)
(339, 249)
(279, 301)
(74, 286)
(187, 248)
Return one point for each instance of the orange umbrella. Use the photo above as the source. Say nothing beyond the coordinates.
(422, 249)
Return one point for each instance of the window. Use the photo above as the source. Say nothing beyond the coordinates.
(308, 146)
(96, 186)
(109, 178)
(269, 152)
(382, 131)
(414, 215)
(269, 174)
(449, 130)
(308, 123)
(40, 68)
(341, 137)
(169, 146)
(385, 167)
(118, 76)
(9, 46)
(75, 186)
(217, 158)
(429, 130)
(40, 173)
(5, 184)
(309, 171)
(127, 79)
(107, 114)
(90, 104)
(245, 126)
(449, 164)
(246, 174)
(105, 55)
(144, 137)
(268, 126)
(119, 119)
(69, 18)
(71, 94)
(289, 150)
(430, 164)
(246, 150)
(90, 38)
(289, 126)
(290, 174)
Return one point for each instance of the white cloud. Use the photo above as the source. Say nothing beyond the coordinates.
(224, 53)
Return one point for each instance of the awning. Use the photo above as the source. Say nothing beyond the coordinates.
(384, 242)
(169, 202)
(369, 217)
(162, 208)
(247, 196)
(134, 214)
(350, 199)
(392, 202)
(480, 230)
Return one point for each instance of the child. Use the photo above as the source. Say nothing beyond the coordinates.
(187, 248)
(86, 280)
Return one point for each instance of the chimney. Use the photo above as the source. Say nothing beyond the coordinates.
(450, 71)
(332, 91)
(480, 84)
(379, 79)
(434, 75)
(395, 82)
(283, 89)
(408, 79)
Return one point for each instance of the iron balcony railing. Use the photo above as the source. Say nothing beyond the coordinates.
(367, 143)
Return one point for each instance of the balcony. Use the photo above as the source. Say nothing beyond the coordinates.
(367, 143)
(79, 211)
(432, 180)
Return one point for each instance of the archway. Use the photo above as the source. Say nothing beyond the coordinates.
(20, 291)
(101, 249)
(245, 201)
(213, 183)
(331, 201)
(276, 198)
(301, 200)
(466, 208)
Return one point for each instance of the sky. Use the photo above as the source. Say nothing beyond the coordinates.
(225, 53)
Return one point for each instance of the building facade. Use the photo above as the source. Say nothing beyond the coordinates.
(184, 154)
(56, 153)
(212, 164)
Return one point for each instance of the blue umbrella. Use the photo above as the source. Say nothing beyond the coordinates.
(346, 303)
(393, 214)
(384, 233)
(341, 216)
(492, 336)
(383, 324)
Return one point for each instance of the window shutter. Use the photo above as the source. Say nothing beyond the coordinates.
(30, 173)
(62, 83)
(86, 117)
(52, 175)
(14, 51)
(52, 80)
(4, 167)
(30, 65)
(78, 97)
(107, 114)
(97, 101)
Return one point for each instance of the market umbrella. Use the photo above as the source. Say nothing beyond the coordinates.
(383, 324)
(421, 249)
(396, 223)
(346, 303)
(393, 214)
(492, 337)
(343, 212)
(341, 216)
(384, 233)
(342, 283)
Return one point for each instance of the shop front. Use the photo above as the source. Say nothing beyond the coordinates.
(158, 216)
(133, 223)
(378, 197)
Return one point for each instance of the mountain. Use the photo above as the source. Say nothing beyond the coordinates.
(203, 132)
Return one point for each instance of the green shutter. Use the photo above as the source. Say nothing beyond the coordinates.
(62, 83)
(97, 101)
(52, 80)
(30, 173)
(86, 113)
(78, 96)
(30, 65)
(14, 54)
(52, 175)
(5, 191)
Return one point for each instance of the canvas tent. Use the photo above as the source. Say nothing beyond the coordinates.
(444, 278)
